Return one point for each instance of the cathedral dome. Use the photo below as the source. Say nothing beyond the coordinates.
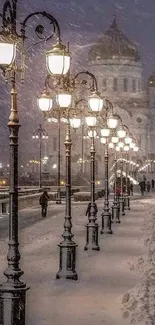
(114, 45)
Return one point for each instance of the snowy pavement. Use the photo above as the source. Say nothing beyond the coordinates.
(105, 277)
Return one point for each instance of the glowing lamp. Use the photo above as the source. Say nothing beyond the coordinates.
(121, 144)
(135, 149)
(126, 148)
(117, 148)
(7, 50)
(111, 145)
(95, 102)
(44, 101)
(112, 122)
(105, 132)
(75, 123)
(132, 145)
(64, 100)
(58, 59)
(103, 140)
(121, 133)
(114, 140)
(91, 121)
(128, 140)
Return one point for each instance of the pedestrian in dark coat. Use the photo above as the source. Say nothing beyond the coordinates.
(131, 188)
(44, 203)
(88, 209)
(148, 185)
(152, 183)
(142, 187)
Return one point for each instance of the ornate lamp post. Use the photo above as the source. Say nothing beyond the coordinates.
(40, 134)
(82, 109)
(67, 251)
(67, 246)
(58, 200)
(13, 291)
(45, 104)
(115, 206)
(92, 226)
(121, 133)
(126, 196)
(55, 115)
(111, 121)
(95, 106)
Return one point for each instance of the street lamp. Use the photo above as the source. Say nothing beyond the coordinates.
(106, 215)
(13, 291)
(115, 206)
(67, 257)
(121, 133)
(40, 134)
(54, 115)
(58, 59)
(67, 86)
(92, 226)
(136, 149)
(126, 196)
(111, 124)
(121, 197)
(45, 104)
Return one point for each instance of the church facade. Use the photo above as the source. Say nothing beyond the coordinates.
(117, 64)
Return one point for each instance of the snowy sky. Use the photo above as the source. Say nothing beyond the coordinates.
(81, 23)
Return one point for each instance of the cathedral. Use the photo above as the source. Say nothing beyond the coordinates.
(116, 62)
(117, 65)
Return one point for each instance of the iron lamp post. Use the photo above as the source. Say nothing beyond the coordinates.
(13, 291)
(111, 121)
(56, 117)
(95, 103)
(121, 198)
(126, 195)
(92, 226)
(106, 215)
(67, 261)
(115, 206)
(40, 134)
(65, 96)
(58, 200)
(121, 133)
(45, 104)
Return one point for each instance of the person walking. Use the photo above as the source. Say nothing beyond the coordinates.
(44, 203)
(152, 183)
(88, 209)
(131, 188)
(144, 181)
(148, 185)
(142, 187)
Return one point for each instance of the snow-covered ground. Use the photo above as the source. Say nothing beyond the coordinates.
(139, 302)
(115, 285)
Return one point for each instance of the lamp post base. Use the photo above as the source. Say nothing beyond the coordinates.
(58, 199)
(92, 237)
(12, 304)
(121, 204)
(106, 220)
(126, 202)
(67, 261)
(115, 213)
